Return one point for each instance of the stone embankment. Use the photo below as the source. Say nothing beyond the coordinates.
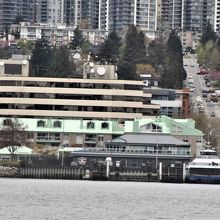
(9, 171)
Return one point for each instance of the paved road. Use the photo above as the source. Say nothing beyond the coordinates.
(192, 67)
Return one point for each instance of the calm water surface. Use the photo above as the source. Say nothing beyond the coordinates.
(30, 199)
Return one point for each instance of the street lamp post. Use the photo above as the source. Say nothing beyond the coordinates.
(156, 166)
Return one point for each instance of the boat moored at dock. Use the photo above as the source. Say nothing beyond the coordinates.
(204, 169)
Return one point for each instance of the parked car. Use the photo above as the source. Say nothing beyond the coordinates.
(214, 97)
(204, 95)
(212, 114)
(201, 110)
(208, 99)
(202, 72)
(206, 77)
(198, 99)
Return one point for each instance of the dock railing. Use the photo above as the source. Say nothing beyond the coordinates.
(133, 151)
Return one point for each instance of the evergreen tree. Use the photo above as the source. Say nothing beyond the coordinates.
(4, 53)
(41, 57)
(77, 40)
(173, 72)
(110, 49)
(174, 44)
(61, 63)
(132, 55)
(208, 34)
(141, 57)
(171, 76)
(156, 52)
(86, 47)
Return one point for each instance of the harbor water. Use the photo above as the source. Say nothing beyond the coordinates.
(30, 199)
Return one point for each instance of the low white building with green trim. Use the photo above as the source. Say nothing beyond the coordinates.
(94, 133)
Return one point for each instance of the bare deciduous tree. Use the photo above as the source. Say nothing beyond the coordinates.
(13, 135)
(209, 126)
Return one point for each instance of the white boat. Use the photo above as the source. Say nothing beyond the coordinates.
(204, 169)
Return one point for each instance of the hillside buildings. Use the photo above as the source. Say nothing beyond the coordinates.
(97, 18)
(57, 35)
(189, 17)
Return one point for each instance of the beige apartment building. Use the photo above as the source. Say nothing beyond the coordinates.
(74, 98)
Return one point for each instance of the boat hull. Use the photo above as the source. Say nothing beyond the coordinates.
(215, 179)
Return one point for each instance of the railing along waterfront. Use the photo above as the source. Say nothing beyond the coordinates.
(50, 173)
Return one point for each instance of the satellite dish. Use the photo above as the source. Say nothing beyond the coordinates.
(91, 64)
(1, 63)
(24, 62)
(101, 71)
(92, 70)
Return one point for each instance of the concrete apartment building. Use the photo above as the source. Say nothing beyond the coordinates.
(148, 15)
(187, 15)
(10, 9)
(97, 95)
(48, 11)
(142, 13)
(105, 15)
(189, 18)
(72, 12)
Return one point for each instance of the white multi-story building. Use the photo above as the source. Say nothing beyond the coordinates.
(216, 19)
(58, 35)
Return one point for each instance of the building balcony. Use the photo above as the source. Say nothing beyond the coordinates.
(48, 139)
(104, 152)
(90, 140)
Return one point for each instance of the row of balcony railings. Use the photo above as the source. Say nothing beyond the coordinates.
(47, 138)
(134, 151)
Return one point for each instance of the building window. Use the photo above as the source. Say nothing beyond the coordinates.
(152, 128)
(57, 124)
(40, 123)
(30, 136)
(100, 138)
(90, 125)
(105, 125)
(199, 139)
(7, 122)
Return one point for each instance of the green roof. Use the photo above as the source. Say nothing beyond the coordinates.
(168, 125)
